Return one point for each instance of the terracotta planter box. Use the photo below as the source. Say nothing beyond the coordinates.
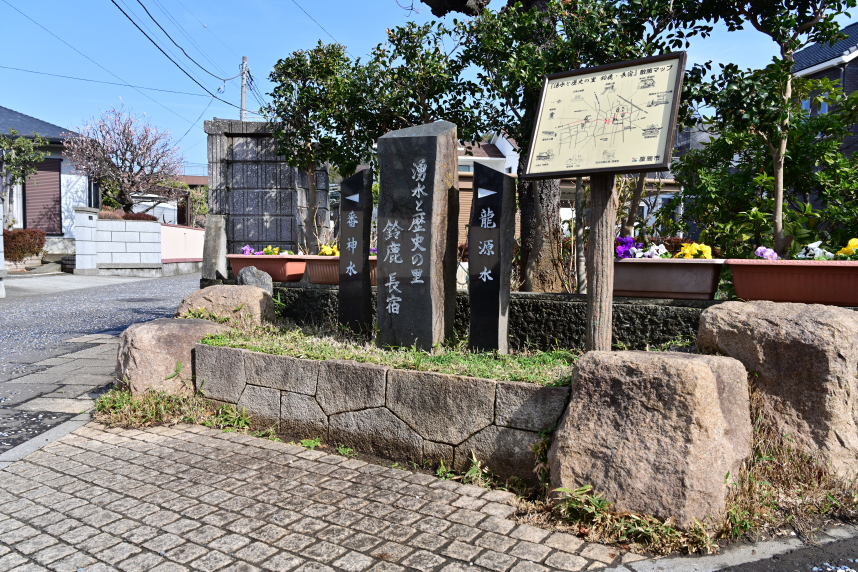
(281, 268)
(677, 278)
(323, 269)
(832, 282)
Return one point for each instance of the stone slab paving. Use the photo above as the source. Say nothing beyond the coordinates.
(193, 498)
(67, 386)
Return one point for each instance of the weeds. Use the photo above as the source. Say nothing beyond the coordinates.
(269, 434)
(781, 486)
(228, 418)
(444, 473)
(118, 407)
(345, 451)
(311, 443)
(590, 514)
(203, 314)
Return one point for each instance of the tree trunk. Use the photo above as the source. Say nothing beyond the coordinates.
(781, 243)
(580, 254)
(311, 216)
(600, 262)
(540, 218)
(628, 228)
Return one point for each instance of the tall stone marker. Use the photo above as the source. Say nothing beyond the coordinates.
(355, 293)
(490, 243)
(417, 213)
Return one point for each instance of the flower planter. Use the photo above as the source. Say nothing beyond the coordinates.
(677, 278)
(323, 269)
(833, 282)
(281, 268)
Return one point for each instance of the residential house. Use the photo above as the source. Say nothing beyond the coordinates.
(47, 199)
(834, 62)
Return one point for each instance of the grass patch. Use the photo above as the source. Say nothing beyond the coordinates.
(118, 408)
(782, 487)
(545, 368)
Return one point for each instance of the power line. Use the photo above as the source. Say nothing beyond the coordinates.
(95, 62)
(168, 56)
(319, 25)
(180, 47)
(104, 82)
(207, 28)
(195, 122)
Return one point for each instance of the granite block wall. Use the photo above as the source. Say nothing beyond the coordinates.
(395, 414)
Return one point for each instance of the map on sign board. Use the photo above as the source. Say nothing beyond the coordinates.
(619, 118)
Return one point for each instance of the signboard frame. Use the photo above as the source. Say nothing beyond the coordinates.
(681, 58)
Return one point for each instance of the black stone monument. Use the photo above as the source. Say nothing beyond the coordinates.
(490, 243)
(355, 292)
(417, 213)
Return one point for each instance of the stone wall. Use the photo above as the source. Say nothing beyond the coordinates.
(258, 192)
(395, 414)
(542, 321)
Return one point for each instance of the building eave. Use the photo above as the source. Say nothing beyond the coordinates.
(833, 62)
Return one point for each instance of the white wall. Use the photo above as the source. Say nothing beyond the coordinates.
(165, 212)
(73, 193)
(181, 242)
(505, 147)
(128, 242)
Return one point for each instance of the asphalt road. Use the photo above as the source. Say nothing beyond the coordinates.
(36, 327)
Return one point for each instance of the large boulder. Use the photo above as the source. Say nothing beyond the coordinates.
(804, 359)
(252, 276)
(149, 351)
(232, 303)
(656, 432)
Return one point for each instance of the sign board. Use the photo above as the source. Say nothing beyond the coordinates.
(616, 118)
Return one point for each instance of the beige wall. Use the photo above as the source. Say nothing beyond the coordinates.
(181, 242)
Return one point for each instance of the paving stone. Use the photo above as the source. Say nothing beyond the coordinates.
(186, 552)
(564, 561)
(34, 544)
(524, 566)
(600, 552)
(495, 561)
(354, 562)
(530, 551)
(140, 563)
(282, 562)
(229, 543)
(391, 551)
(212, 561)
(496, 542)
(461, 551)
(256, 552)
(323, 551)
(360, 542)
(424, 561)
(117, 552)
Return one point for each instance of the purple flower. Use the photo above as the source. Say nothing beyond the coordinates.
(373, 251)
(626, 243)
(766, 253)
(247, 251)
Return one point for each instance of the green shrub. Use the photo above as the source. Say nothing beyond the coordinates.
(22, 243)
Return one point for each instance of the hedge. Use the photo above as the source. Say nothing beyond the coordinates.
(22, 243)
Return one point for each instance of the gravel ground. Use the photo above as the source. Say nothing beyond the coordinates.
(34, 328)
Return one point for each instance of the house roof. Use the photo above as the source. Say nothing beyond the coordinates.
(26, 125)
(816, 54)
(485, 150)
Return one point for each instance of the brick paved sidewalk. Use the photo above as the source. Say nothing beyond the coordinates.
(192, 498)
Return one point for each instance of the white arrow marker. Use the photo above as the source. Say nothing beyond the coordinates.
(354, 198)
(484, 193)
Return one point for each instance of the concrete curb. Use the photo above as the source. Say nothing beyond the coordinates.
(36, 443)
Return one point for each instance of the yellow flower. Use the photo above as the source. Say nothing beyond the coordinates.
(694, 250)
(850, 248)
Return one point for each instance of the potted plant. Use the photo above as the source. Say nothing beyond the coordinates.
(285, 267)
(816, 276)
(324, 268)
(692, 274)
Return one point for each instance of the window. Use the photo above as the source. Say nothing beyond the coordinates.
(805, 104)
(823, 108)
(465, 168)
(508, 169)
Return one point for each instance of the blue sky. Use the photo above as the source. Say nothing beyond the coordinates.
(262, 30)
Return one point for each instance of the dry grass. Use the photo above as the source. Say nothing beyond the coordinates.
(782, 487)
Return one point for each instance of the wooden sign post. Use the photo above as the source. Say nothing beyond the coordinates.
(602, 122)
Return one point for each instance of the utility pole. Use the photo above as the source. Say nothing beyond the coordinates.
(244, 88)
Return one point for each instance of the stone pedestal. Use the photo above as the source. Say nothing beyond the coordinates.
(355, 292)
(214, 251)
(490, 242)
(417, 214)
